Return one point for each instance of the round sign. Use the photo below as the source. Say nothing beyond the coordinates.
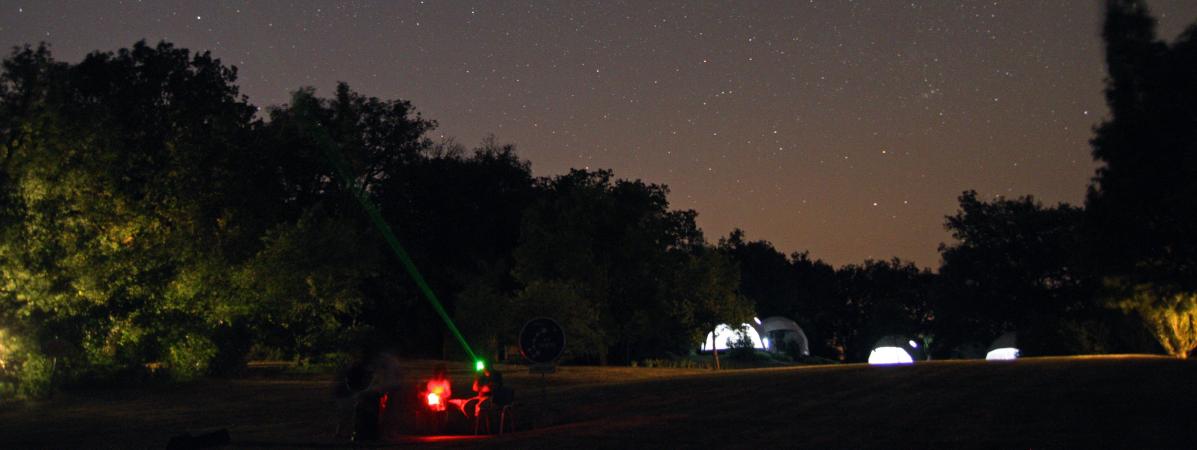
(542, 340)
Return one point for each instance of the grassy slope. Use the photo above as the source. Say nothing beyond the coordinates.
(1048, 402)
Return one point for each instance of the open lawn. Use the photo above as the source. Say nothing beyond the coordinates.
(1089, 402)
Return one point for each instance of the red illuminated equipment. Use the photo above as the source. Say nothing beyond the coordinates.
(437, 391)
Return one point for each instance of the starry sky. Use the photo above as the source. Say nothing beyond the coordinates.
(845, 128)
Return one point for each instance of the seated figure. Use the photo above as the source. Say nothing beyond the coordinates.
(486, 384)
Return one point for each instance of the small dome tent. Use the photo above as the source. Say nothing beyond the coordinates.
(1003, 348)
(780, 332)
(892, 349)
(727, 335)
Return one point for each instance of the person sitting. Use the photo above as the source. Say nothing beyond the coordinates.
(486, 384)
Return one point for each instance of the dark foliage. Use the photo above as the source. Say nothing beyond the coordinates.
(1143, 201)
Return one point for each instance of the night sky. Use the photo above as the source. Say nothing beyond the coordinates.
(844, 128)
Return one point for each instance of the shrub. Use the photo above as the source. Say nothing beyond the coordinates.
(36, 376)
(24, 372)
(742, 348)
(189, 358)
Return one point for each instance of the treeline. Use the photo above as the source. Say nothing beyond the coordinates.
(151, 215)
(153, 221)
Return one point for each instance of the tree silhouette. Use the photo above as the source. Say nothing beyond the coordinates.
(1015, 266)
(797, 287)
(1143, 201)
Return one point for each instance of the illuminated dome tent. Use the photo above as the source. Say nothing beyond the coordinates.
(780, 331)
(893, 349)
(728, 334)
(1004, 347)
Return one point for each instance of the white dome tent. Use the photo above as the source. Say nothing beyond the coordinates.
(780, 332)
(727, 334)
(892, 349)
(1005, 347)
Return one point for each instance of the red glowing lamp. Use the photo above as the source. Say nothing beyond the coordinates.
(434, 400)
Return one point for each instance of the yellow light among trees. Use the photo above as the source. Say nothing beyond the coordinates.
(1170, 316)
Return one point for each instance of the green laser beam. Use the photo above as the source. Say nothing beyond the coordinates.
(359, 193)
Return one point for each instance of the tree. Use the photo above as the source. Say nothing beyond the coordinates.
(1169, 314)
(383, 155)
(459, 216)
(798, 287)
(881, 298)
(487, 314)
(1016, 266)
(766, 276)
(124, 190)
(306, 288)
(703, 294)
(614, 243)
(1142, 205)
(1143, 201)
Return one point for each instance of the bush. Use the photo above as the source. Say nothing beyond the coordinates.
(189, 358)
(36, 377)
(742, 348)
(24, 372)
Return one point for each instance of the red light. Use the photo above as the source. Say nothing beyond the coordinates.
(437, 394)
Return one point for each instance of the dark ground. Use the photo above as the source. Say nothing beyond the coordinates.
(1080, 402)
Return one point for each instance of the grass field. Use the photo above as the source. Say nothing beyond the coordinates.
(1087, 402)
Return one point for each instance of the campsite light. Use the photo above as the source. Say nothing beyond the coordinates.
(757, 319)
(1006, 353)
(479, 365)
(724, 330)
(890, 355)
(914, 344)
(434, 400)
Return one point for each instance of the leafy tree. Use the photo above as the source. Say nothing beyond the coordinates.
(766, 276)
(306, 287)
(616, 244)
(577, 313)
(1170, 315)
(710, 290)
(576, 234)
(123, 187)
(312, 282)
(796, 287)
(1142, 205)
(459, 216)
(1143, 201)
(1016, 266)
(487, 313)
(882, 298)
